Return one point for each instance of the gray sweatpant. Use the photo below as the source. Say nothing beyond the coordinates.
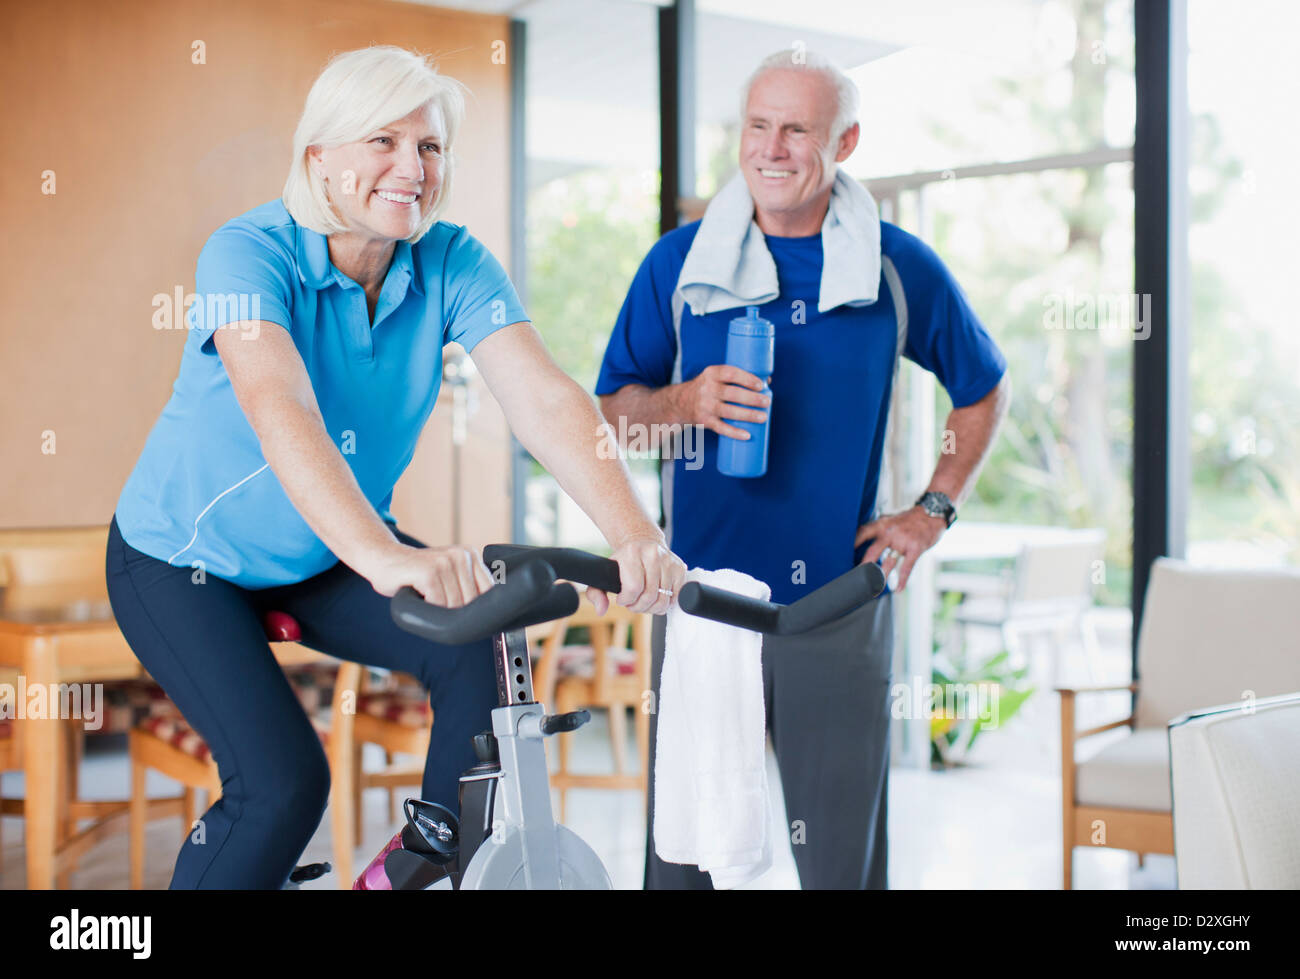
(827, 700)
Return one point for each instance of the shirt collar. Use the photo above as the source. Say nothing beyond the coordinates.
(316, 270)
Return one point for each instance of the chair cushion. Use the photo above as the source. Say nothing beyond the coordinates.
(314, 685)
(127, 703)
(6, 728)
(171, 727)
(1214, 637)
(1131, 773)
(398, 706)
(581, 661)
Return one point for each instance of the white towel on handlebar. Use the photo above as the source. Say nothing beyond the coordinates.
(711, 802)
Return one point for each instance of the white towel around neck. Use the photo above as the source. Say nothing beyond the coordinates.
(729, 264)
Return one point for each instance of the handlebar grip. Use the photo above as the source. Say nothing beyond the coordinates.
(493, 611)
(569, 563)
(831, 601)
(729, 608)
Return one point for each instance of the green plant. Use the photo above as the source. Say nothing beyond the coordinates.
(969, 698)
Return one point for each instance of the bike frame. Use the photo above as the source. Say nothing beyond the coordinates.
(524, 785)
(507, 796)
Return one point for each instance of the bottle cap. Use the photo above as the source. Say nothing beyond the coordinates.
(751, 325)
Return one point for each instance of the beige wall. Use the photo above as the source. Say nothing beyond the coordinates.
(151, 153)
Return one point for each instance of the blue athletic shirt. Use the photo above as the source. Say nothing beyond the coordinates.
(201, 494)
(794, 527)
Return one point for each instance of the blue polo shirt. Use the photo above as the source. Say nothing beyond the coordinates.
(794, 527)
(201, 494)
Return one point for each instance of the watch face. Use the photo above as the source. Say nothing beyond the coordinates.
(938, 505)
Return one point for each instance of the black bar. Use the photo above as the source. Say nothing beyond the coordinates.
(1151, 182)
(495, 609)
(676, 109)
(831, 601)
(568, 563)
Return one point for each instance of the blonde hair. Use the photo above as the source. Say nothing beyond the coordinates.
(355, 94)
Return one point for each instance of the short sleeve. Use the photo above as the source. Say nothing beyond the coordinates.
(241, 275)
(478, 296)
(943, 333)
(643, 347)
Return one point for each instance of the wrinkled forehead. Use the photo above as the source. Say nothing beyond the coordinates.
(424, 122)
(786, 95)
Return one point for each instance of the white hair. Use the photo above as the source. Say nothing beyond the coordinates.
(798, 59)
(355, 94)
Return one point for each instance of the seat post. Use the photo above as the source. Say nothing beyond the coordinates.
(524, 790)
(514, 668)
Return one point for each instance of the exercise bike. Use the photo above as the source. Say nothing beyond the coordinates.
(506, 836)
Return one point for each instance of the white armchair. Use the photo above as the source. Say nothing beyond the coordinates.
(1207, 637)
(1235, 773)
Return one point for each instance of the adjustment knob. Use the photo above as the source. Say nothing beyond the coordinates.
(485, 747)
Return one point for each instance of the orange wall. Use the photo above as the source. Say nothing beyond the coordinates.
(152, 153)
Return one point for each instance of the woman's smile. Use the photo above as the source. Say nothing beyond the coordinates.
(397, 198)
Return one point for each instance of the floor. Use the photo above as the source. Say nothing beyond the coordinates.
(994, 823)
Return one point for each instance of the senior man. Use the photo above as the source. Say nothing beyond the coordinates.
(848, 294)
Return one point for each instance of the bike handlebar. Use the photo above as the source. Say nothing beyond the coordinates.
(527, 597)
(529, 594)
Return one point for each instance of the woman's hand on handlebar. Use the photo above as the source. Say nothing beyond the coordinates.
(652, 577)
(446, 576)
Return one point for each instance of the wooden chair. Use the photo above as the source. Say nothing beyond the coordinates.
(1046, 597)
(1207, 637)
(167, 744)
(54, 556)
(396, 717)
(164, 741)
(611, 671)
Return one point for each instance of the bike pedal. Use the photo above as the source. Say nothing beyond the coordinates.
(310, 871)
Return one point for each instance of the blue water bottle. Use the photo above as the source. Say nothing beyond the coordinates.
(751, 342)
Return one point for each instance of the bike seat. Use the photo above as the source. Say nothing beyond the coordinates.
(281, 627)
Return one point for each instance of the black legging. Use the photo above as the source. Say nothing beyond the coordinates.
(204, 643)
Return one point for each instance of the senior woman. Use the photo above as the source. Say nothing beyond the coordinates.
(313, 360)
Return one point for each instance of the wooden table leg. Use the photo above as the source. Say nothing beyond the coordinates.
(75, 731)
(68, 762)
(41, 764)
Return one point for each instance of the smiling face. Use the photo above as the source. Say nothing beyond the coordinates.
(785, 151)
(384, 185)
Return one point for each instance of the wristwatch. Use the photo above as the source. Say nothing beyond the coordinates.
(938, 505)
